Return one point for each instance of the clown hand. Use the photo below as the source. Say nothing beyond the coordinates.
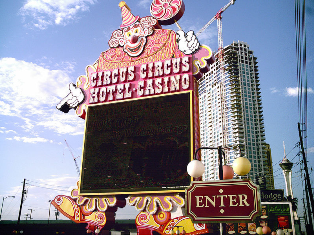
(187, 43)
(72, 100)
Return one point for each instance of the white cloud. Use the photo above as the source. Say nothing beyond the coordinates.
(29, 140)
(63, 124)
(49, 12)
(4, 130)
(208, 37)
(27, 85)
(310, 90)
(274, 90)
(144, 3)
(29, 93)
(310, 150)
(293, 91)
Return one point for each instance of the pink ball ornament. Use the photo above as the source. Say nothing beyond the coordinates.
(227, 172)
(273, 233)
(266, 230)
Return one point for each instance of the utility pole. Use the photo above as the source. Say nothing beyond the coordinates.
(308, 188)
(49, 210)
(22, 200)
(57, 213)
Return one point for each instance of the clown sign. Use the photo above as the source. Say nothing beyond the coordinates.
(143, 62)
(140, 102)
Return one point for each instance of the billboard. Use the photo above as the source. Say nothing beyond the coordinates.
(138, 146)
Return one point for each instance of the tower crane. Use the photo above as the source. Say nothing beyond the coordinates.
(74, 158)
(218, 17)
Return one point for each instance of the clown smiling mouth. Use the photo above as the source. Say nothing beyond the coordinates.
(134, 50)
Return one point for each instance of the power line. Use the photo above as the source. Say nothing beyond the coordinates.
(50, 185)
(12, 199)
(296, 145)
(55, 189)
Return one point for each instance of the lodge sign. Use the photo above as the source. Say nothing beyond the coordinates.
(274, 195)
(222, 201)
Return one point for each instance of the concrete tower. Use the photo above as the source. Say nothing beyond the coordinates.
(286, 167)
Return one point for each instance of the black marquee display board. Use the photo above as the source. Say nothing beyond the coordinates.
(138, 146)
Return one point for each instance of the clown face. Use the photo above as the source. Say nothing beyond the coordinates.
(135, 40)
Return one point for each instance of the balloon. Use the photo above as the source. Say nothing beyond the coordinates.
(227, 172)
(241, 166)
(259, 230)
(195, 168)
(266, 230)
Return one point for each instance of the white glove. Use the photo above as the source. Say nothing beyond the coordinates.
(72, 100)
(187, 43)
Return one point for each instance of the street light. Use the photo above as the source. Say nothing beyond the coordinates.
(198, 169)
(2, 204)
(241, 165)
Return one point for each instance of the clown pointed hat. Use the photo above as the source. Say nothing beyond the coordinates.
(127, 17)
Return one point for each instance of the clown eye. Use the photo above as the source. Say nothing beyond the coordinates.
(136, 31)
(128, 34)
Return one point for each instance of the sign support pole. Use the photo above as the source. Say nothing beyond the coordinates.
(220, 152)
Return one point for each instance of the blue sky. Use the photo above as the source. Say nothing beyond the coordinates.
(46, 44)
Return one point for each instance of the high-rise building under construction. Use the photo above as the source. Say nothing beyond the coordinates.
(231, 114)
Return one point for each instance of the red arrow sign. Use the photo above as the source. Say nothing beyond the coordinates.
(223, 201)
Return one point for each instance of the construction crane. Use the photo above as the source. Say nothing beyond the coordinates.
(218, 17)
(219, 24)
(74, 158)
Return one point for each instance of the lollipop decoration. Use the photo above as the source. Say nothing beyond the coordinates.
(167, 11)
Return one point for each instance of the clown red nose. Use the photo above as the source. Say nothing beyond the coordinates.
(134, 39)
